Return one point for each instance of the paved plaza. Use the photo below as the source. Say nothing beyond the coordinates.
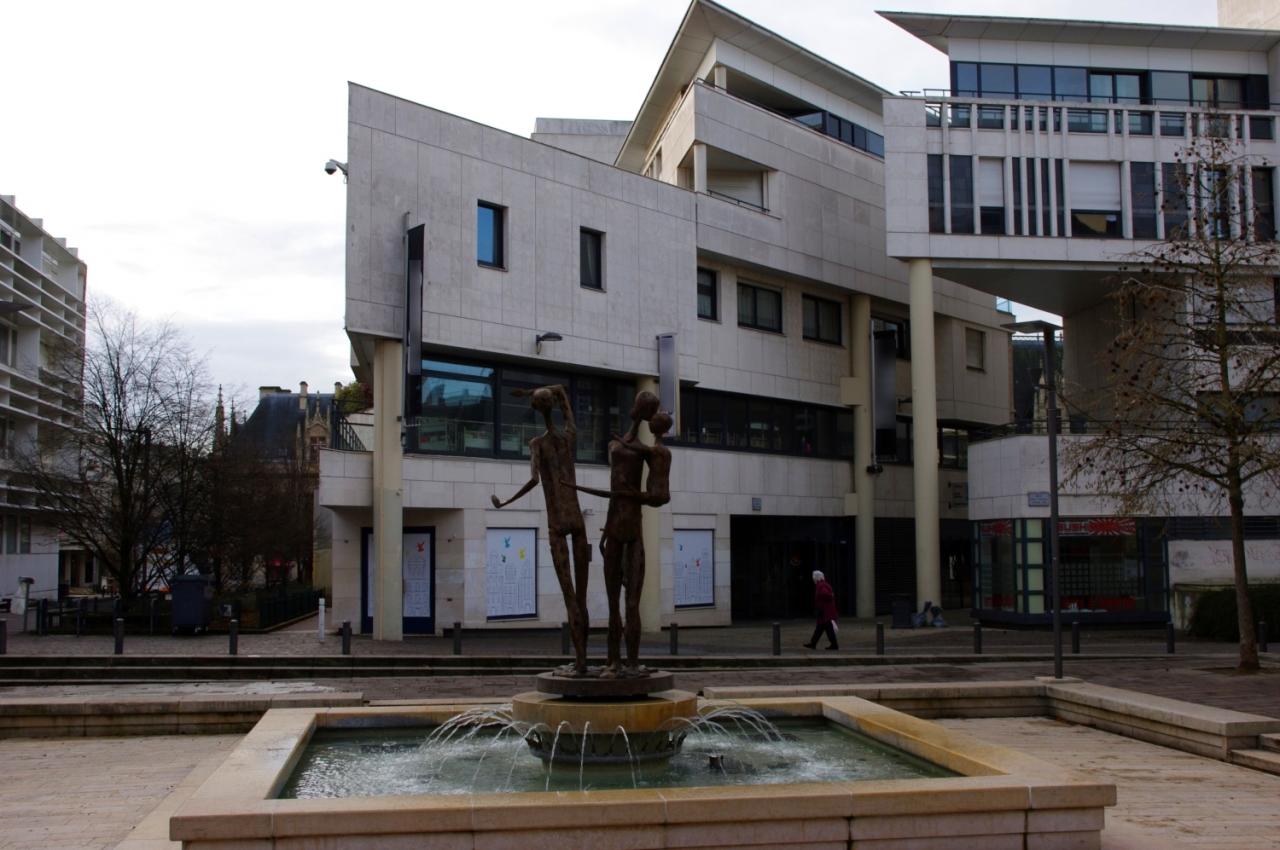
(89, 793)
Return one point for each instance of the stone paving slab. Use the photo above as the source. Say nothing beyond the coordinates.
(1165, 798)
(88, 793)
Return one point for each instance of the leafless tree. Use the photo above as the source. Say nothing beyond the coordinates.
(1190, 414)
(116, 477)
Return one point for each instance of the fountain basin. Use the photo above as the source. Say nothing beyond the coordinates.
(564, 726)
(1001, 798)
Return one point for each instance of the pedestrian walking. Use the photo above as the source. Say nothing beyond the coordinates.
(824, 605)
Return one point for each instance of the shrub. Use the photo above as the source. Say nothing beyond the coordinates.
(1215, 613)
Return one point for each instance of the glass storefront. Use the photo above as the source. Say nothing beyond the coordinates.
(1110, 567)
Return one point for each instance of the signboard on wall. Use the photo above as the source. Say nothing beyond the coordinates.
(694, 569)
(511, 572)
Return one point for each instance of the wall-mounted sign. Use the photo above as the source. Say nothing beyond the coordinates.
(511, 573)
(756, 503)
(1038, 499)
(695, 568)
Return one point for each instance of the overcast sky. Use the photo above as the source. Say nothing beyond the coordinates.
(180, 146)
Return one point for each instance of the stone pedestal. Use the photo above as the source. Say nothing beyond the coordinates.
(605, 721)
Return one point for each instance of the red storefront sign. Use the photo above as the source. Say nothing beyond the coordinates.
(1099, 527)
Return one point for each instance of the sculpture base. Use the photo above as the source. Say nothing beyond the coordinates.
(595, 687)
(620, 731)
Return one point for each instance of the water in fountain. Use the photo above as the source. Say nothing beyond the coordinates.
(726, 745)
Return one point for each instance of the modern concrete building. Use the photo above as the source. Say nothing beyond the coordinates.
(1047, 164)
(42, 310)
(725, 248)
(806, 268)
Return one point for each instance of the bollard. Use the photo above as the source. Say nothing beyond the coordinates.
(564, 639)
(80, 606)
(977, 638)
(457, 638)
(42, 617)
(320, 610)
(1075, 637)
(346, 637)
(879, 638)
(151, 614)
(119, 632)
(233, 634)
(4, 636)
(675, 638)
(1262, 636)
(1168, 637)
(777, 638)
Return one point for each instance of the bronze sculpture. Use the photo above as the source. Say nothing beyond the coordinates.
(551, 463)
(623, 542)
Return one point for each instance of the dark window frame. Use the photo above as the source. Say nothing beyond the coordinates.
(753, 322)
(702, 409)
(499, 236)
(902, 332)
(587, 235)
(819, 331)
(712, 292)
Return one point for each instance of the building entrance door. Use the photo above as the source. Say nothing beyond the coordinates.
(418, 567)
(773, 559)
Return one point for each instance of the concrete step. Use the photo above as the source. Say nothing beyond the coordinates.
(1264, 760)
(1270, 741)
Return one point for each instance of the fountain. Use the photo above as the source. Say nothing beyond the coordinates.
(575, 713)
(623, 758)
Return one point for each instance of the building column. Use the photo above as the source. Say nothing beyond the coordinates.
(388, 512)
(651, 534)
(864, 521)
(699, 167)
(924, 415)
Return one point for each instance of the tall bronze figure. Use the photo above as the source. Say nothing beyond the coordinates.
(623, 542)
(551, 463)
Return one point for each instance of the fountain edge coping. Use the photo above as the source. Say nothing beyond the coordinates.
(237, 801)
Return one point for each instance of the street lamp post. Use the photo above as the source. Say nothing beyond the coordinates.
(1047, 330)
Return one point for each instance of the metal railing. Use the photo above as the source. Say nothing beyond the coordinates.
(346, 437)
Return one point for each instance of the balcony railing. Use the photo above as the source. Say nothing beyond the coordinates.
(1090, 117)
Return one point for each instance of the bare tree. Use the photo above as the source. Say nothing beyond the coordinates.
(1190, 417)
(110, 476)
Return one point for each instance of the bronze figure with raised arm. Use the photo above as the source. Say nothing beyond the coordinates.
(551, 463)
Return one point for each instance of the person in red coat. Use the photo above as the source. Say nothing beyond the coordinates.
(824, 604)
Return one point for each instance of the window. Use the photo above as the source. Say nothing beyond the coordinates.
(937, 209)
(6, 436)
(822, 319)
(953, 447)
(591, 258)
(1142, 186)
(975, 349)
(457, 409)
(10, 534)
(1095, 199)
(961, 194)
(898, 327)
(1035, 82)
(1070, 84)
(1171, 87)
(8, 345)
(708, 294)
(1264, 205)
(759, 308)
(489, 235)
(1174, 193)
(748, 423)
(991, 195)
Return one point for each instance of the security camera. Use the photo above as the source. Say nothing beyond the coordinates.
(333, 166)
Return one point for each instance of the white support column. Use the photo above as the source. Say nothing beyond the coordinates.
(720, 77)
(864, 522)
(651, 534)
(924, 413)
(388, 513)
(699, 167)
